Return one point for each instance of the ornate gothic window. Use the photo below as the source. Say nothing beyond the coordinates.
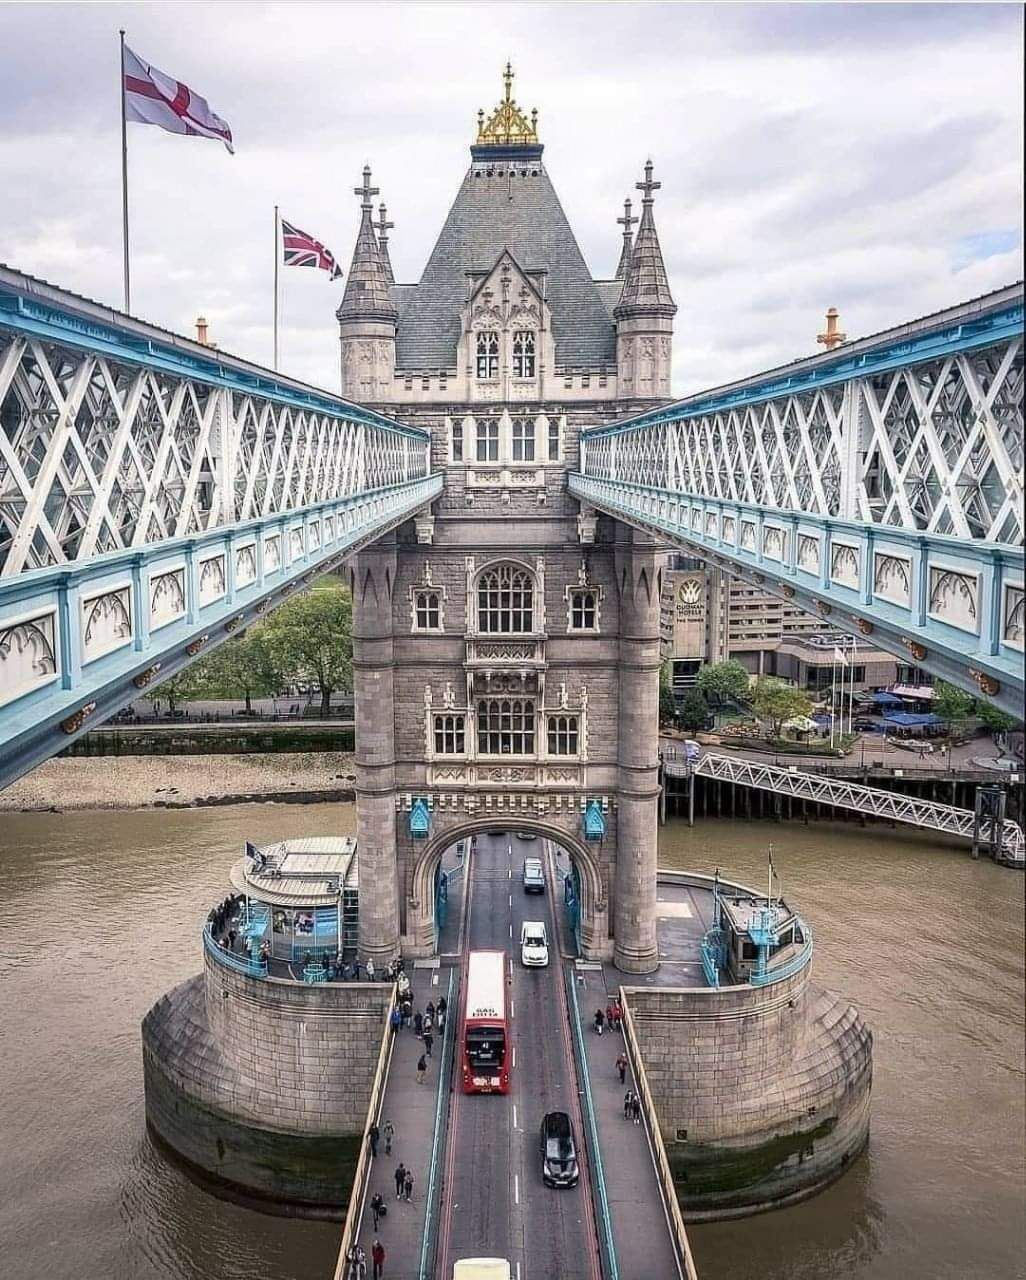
(487, 440)
(505, 601)
(450, 735)
(505, 726)
(488, 355)
(562, 735)
(523, 354)
(523, 440)
(427, 614)
(583, 615)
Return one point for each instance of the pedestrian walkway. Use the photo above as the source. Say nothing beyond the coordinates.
(412, 1109)
(641, 1233)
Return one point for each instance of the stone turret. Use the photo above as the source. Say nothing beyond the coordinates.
(644, 314)
(367, 317)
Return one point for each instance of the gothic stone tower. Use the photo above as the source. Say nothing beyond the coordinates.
(507, 644)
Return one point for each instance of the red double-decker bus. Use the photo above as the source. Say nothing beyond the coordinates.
(485, 1041)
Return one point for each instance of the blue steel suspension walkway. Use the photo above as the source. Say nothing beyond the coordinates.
(879, 486)
(157, 496)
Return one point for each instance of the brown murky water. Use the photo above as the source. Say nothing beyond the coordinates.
(100, 913)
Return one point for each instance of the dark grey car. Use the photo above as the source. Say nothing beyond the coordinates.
(558, 1151)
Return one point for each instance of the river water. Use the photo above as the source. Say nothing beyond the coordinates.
(100, 913)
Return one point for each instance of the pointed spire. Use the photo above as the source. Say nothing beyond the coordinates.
(383, 227)
(646, 288)
(367, 288)
(627, 222)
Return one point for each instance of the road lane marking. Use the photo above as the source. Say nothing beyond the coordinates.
(511, 931)
(514, 1055)
(512, 1009)
(511, 902)
(516, 1188)
(514, 1115)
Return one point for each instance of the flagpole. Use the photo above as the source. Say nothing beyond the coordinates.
(124, 178)
(276, 255)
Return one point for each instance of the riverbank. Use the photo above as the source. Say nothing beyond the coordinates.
(178, 782)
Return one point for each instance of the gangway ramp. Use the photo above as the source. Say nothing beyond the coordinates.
(845, 794)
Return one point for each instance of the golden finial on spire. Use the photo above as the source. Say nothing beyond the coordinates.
(832, 337)
(507, 125)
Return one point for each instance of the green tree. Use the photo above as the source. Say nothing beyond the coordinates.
(178, 688)
(952, 705)
(994, 718)
(721, 680)
(311, 638)
(775, 701)
(244, 667)
(694, 710)
(667, 705)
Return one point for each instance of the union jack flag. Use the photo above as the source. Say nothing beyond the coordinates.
(302, 250)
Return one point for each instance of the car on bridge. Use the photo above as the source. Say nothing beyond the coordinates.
(481, 1269)
(534, 944)
(534, 876)
(526, 835)
(558, 1151)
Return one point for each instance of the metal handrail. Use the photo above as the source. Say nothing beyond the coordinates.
(250, 968)
(713, 955)
(789, 968)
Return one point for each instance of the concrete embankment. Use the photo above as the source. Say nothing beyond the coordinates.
(137, 782)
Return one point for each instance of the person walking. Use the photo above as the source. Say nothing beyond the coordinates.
(395, 1019)
(408, 1186)
(429, 1040)
(427, 1024)
(636, 1108)
(388, 1133)
(618, 1014)
(378, 1259)
(400, 1178)
(628, 1098)
(421, 1069)
(442, 1006)
(370, 968)
(610, 1018)
(621, 1067)
(373, 1134)
(357, 1260)
(407, 1013)
(418, 1024)
(377, 1205)
(430, 1010)
(600, 1019)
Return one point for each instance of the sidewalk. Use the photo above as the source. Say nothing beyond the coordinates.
(412, 1109)
(641, 1232)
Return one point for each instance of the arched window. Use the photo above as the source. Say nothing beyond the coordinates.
(523, 353)
(428, 617)
(488, 355)
(505, 727)
(562, 735)
(505, 601)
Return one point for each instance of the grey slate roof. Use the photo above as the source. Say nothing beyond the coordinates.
(489, 214)
(646, 288)
(367, 287)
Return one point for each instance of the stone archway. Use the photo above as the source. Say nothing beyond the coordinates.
(420, 936)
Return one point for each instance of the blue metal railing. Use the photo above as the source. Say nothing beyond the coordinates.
(790, 967)
(430, 1200)
(714, 955)
(228, 959)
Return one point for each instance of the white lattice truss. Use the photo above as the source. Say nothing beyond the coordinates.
(935, 447)
(98, 456)
(848, 795)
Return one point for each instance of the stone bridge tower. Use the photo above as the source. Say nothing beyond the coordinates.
(506, 645)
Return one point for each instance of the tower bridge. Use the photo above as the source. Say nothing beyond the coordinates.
(500, 486)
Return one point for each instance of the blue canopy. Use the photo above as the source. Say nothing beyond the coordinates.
(885, 699)
(913, 719)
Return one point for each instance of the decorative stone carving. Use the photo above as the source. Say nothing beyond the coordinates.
(844, 564)
(892, 578)
(167, 598)
(987, 684)
(1013, 621)
(74, 722)
(788, 592)
(145, 678)
(747, 535)
(107, 622)
(808, 553)
(197, 644)
(28, 655)
(245, 565)
(917, 650)
(233, 623)
(774, 543)
(865, 626)
(211, 580)
(954, 598)
(823, 609)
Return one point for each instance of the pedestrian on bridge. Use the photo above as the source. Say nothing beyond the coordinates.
(378, 1258)
(370, 968)
(429, 1012)
(621, 1066)
(636, 1108)
(407, 1013)
(421, 1069)
(400, 1179)
(408, 1186)
(388, 1133)
(373, 1133)
(395, 1019)
(357, 1260)
(429, 1040)
(600, 1020)
(628, 1100)
(418, 1024)
(377, 1205)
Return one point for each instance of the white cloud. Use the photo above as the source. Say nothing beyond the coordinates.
(810, 155)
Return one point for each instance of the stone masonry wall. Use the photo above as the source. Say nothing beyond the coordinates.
(762, 1093)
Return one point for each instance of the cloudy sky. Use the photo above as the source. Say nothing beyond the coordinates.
(866, 157)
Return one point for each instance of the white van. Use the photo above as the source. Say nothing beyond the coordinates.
(534, 944)
(482, 1269)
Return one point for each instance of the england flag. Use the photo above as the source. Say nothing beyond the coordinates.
(151, 97)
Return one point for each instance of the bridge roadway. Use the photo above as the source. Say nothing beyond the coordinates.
(492, 1201)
